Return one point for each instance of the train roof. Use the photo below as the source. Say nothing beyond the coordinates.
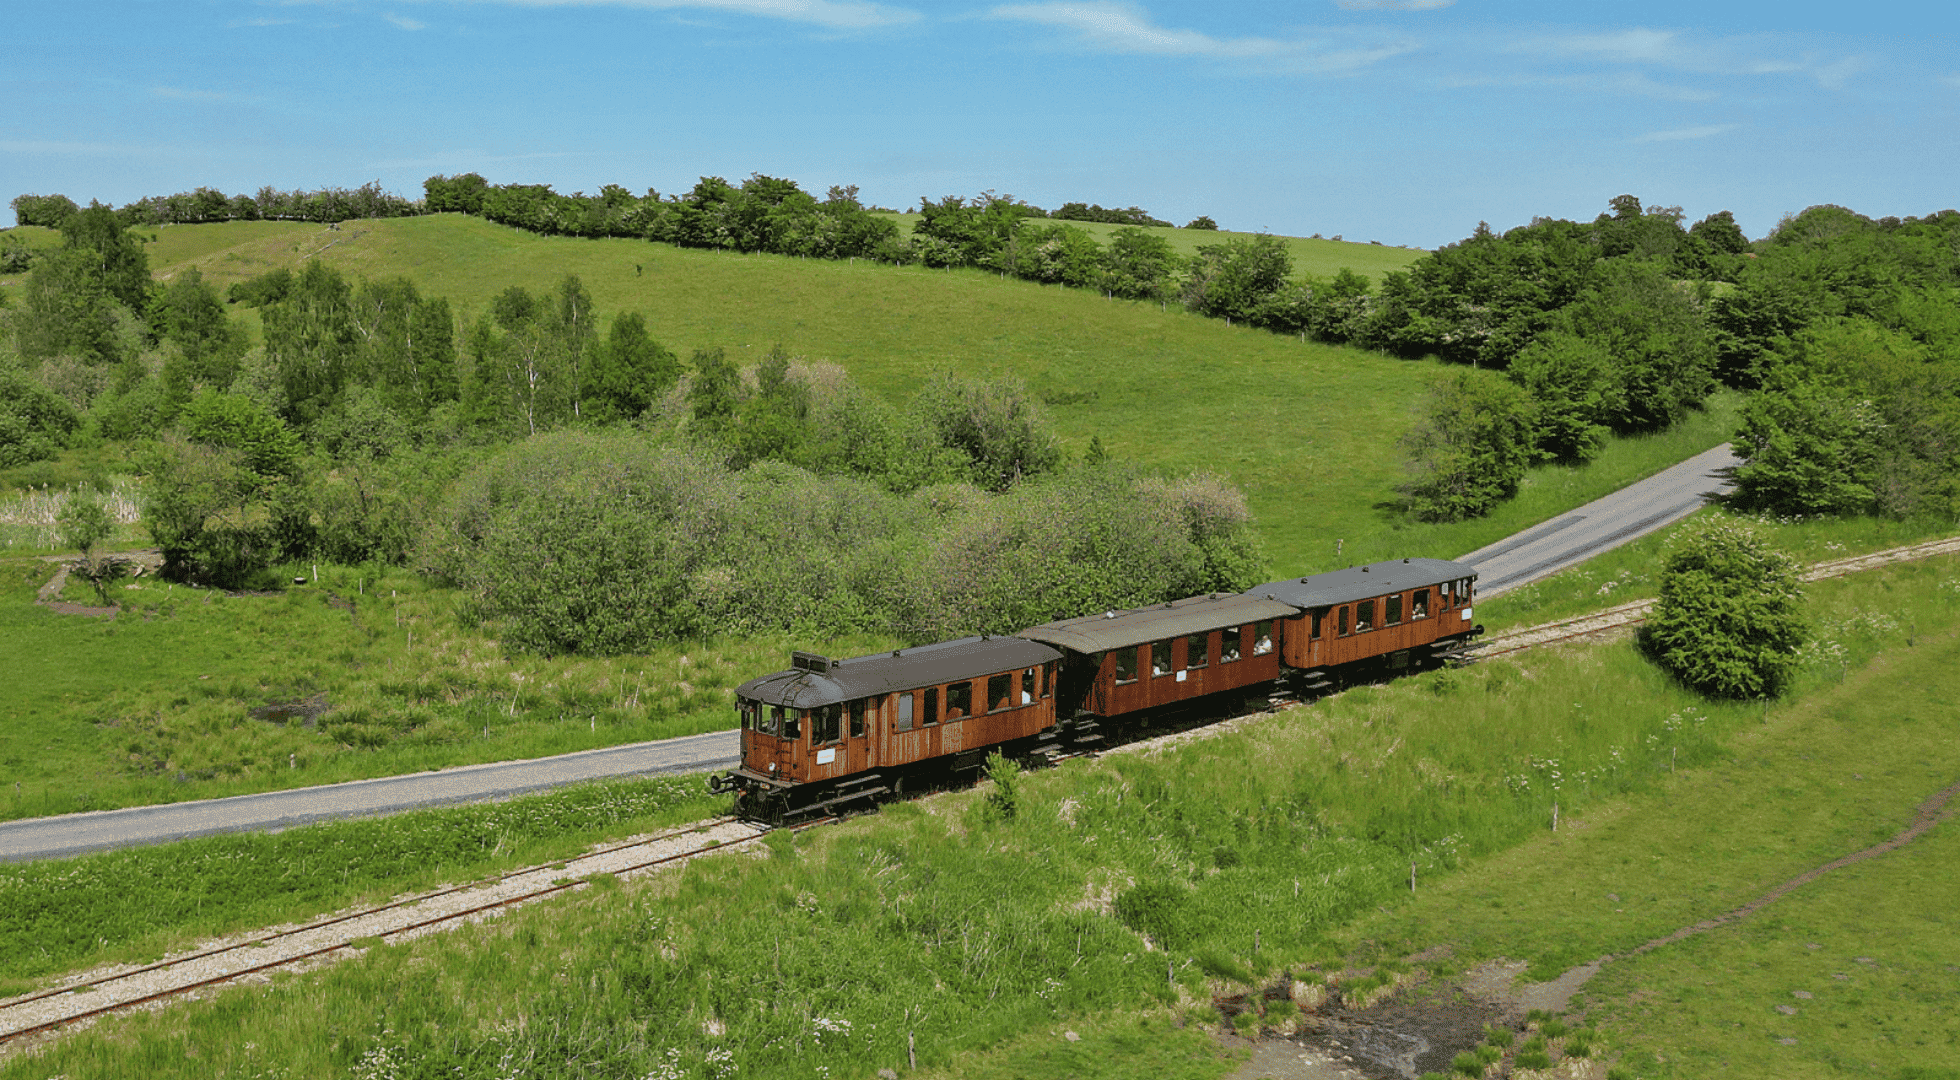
(1362, 582)
(1194, 615)
(807, 687)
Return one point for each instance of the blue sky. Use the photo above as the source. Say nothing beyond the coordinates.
(1404, 121)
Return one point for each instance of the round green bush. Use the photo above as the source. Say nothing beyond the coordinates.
(1729, 620)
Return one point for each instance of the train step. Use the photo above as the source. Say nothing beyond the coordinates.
(817, 808)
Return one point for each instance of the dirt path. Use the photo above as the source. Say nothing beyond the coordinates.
(144, 561)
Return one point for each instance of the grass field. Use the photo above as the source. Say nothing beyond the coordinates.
(971, 933)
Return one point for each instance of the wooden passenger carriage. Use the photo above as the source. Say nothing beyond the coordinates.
(1393, 614)
(827, 732)
(1119, 663)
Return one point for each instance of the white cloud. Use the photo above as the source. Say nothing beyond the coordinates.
(1682, 134)
(1123, 28)
(1692, 53)
(1394, 5)
(406, 23)
(178, 94)
(833, 14)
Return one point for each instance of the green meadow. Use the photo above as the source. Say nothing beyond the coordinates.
(1116, 897)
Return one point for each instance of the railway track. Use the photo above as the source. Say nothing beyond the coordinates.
(1632, 614)
(53, 1010)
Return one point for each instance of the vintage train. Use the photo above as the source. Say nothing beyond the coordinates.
(828, 733)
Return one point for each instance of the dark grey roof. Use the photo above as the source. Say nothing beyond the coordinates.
(1117, 629)
(1362, 582)
(907, 669)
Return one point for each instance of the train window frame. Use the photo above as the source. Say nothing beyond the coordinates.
(1005, 683)
(1465, 590)
(792, 725)
(1231, 644)
(745, 710)
(1160, 659)
(1392, 609)
(826, 725)
(930, 707)
(1319, 616)
(1029, 681)
(1132, 653)
(959, 699)
(904, 722)
(1341, 623)
(856, 711)
(1262, 637)
(1199, 646)
(1419, 604)
(1364, 616)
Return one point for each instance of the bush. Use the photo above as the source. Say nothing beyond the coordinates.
(1729, 618)
(1470, 448)
(1162, 911)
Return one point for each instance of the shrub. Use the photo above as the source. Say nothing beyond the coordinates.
(1162, 911)
(1532, 1059)
(1467, 1064)
(1469, 449)
(1728, 621)
(1005, 798)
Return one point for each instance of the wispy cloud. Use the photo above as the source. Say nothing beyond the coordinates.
(406, 23)
(1631, 83)
(262, 21)
(831, 14)
(179, 94)
(1393, 5)
(1692, 53)
(1683, 134)
(1124, 28)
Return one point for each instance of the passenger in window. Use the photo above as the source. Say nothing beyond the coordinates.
(1228, 644)
(857, 719)
(1262, 636)
(1027, 685)
(1364, 616)
(1160, 658)
(1194, 650)
(1419, 607)
(1126, 665)
(959, 700)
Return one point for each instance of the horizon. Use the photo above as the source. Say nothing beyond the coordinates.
(1405, 122)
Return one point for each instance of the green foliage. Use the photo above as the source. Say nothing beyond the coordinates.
(1202, 221)
(115, 257)
(50, 211)
(1005, 774)
(1469, 448)
(995, 423)
(35, 422)
(1571, 380)
(1139, 265)
(631, 371)
(1729, 620)
(1075, 211)
(84, 522)
(188, 314)
(1231, 280)
(265, 445)
(1467, 1064)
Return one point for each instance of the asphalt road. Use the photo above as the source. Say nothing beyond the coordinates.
(1622, 516)
(75, 834)
(1627, 514)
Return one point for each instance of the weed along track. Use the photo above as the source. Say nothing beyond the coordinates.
(51, 1011)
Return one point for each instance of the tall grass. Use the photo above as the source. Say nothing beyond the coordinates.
(28, 518)
(946, 926)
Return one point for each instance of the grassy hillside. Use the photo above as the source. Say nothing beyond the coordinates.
(1308, 430)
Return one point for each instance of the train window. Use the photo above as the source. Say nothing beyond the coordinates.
(857, 719)
(826, 724)
(1194, 650)
(1126, 665)
(746, 711)
(1364, 616)
(931, 709)
(1160, 658)
(1048, 679)
(959, 700)
(1027, 686)
(1228, 644)
(774, 720)
(1463, 590)
(1419, 607)
(1000, 692)
(792, 725)
(1393, 612)
(905, 711)
(1341, 629)
(1262, 636)
(1318, 615)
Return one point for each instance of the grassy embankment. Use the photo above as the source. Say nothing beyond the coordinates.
(983, 936)
(115, 714)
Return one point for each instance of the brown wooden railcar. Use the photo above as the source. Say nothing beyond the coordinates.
(1120, 663)
(1396, 614)
(826, 732)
